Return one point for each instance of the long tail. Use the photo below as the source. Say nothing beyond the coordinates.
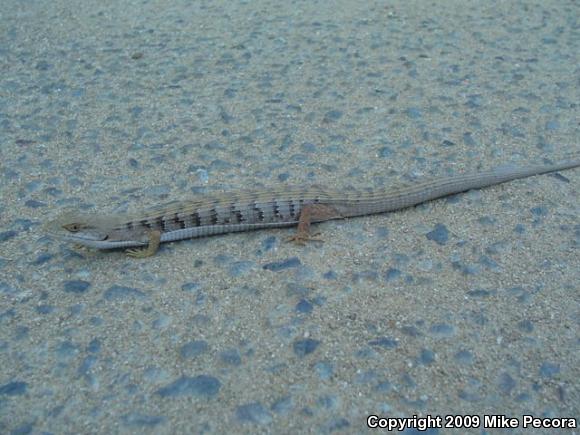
(390, 199)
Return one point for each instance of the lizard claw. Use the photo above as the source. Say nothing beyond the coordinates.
(138, 253)
(303, 238)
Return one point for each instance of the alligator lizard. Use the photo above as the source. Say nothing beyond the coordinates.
(267, 208)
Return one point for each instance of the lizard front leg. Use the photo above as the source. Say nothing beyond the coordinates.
(150, 250)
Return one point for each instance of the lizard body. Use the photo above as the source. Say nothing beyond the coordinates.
(267, 208)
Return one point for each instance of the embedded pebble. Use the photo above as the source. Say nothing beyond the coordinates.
(239, 268)
(7, 235)
(76, 286)
(426, 357)
(136, 419)
(191, 286)
(392, 274)
(440, 234)
(231, 357)
(549, 370)
(282, 406)
(442, 330)
(324, 369)
(330, 275)
(464, 357)
(253, 413)
(385, 342)
(14, 388)
(277, 266)
(198, 386)
(119, 292)
(304, 307)
(305, 347)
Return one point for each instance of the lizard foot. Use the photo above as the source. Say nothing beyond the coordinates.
(150, 250)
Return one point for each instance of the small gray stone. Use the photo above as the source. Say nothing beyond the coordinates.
(76, 286)
(277, 266)
(231, 357)
(119, 292)
(439, 235)
(200, 386)
(385, 342)
(193, 349)
(136, 419)
(549, 370)
(15, 388)
(253, 413)
(305, 347)
(7, 235)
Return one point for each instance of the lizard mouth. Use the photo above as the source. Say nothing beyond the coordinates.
(76, 237)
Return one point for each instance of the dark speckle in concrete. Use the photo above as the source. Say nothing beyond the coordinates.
(384, 342)
(197, 386)
(119, 293)
(440, 234)
(14, 388)
(193, 349)
(76, 286)
(305, 346)
(253, 413)
(283, 264)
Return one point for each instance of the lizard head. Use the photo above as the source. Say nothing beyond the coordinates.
(81, 228)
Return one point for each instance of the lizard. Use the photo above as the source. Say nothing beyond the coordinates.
(267, 208)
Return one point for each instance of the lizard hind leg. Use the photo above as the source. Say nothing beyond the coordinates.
(150, 250)
(309, 214)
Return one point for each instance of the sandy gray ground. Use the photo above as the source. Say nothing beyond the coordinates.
(462, 306)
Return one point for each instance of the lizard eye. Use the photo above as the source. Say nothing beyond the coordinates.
(73, 228)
